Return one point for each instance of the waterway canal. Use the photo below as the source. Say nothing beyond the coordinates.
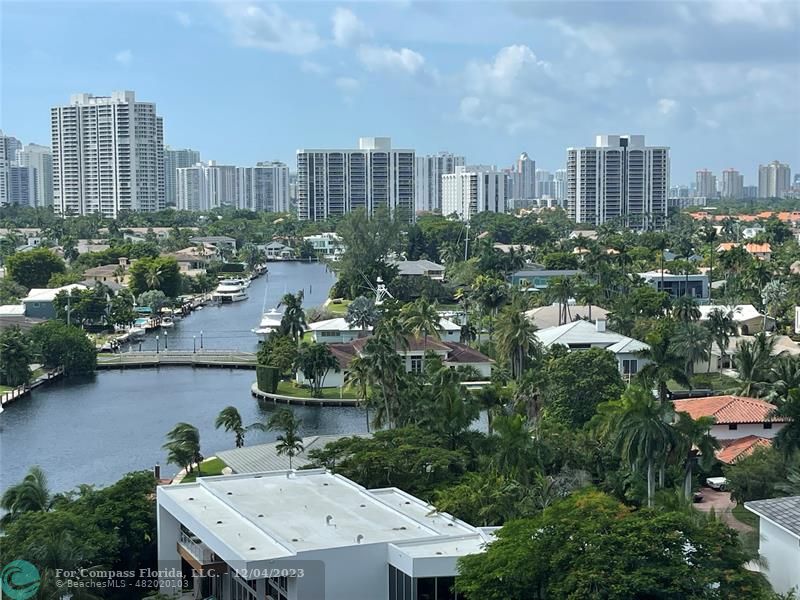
(94, 430)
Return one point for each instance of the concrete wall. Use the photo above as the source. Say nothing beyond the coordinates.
(353, 572)
(40, 309)
(782, 553)
(332, 379)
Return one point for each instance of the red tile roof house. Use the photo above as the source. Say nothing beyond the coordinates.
(741, 424)
(453, 355)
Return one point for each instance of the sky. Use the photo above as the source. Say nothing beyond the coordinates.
(716, 80)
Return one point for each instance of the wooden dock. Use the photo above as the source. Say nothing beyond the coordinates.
(220, 359)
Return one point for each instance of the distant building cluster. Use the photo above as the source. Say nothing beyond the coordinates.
(108, 155)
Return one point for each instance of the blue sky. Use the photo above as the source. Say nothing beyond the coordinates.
(717, 80)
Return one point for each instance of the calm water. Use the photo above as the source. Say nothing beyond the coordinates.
(93, 431)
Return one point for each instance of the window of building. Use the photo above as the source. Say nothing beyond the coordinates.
(733, 426)
(767, 425)
(630, 366)
(416, 364)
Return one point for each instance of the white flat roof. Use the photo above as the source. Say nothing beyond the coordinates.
(473, 544)
(254, 517)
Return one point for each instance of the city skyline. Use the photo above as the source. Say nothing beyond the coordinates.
(544, 77)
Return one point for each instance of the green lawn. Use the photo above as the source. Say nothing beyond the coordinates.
(4, 388)
(212, 466)
(745, 516)
(338, 309)
(287, 388)
(715, 381)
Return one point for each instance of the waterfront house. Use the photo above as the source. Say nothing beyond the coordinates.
(534, 277)
(289, 535)
(678, 284)
(547, 316)
(735, 417)
(759, 251)
(779, 541)
(276, 251)
(452, 354)
(419, 268)
(106, 274)
(220, 242)
(581, 335)
(40, 302)
(338, 331)
(327, 245)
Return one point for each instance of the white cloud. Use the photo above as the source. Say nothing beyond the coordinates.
(270, 28)
(183, 18)
(124, 57)
(667, 106)
(309, 66)
(512, 68)
(378, 58)
(347, 85)
(764, 14)
(348, 29)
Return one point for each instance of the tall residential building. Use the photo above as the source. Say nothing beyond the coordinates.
(706, 184)
(560, 186)
(264, 187)
(206, 186)
(774, 180)
(428, 179)
(373, 176)
(108, 155)
(174, 160)
(474, 189)
(732, 184)
(618, 179)
(22, 185)
(40, 158)
(524, 186)
(750, 191)
(8, 155)
(545, 184)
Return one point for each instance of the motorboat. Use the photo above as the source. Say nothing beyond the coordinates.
(270, 322)
(167, 322)
(230, 290)
(136, 334)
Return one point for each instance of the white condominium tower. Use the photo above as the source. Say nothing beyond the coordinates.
(524, 182)
(705, 184)
(335, 182)
(264, 187)
(40, 159)
(732, 184)
(428, 179)
(474, 189)
(560, 186)
(774, 180)
(619, 179)
(206, 186)
(8, 156)
(174, 160)
(108, 155)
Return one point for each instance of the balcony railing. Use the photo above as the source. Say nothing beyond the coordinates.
(198, 549)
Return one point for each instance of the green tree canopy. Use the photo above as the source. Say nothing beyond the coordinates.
(67, 346)
(160, 273)
(34, 268)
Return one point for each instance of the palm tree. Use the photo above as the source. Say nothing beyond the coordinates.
(467, 333)
(788, 438)
(362, 313)
(386, 367)
(183, 446)
(784, 376)
(293, 321)
(359, 377)
(721, 325)
(692, 341)
(516, 338)
(152, 278)
(685, 309)
(289, 441)
(709, 235)
(773, 296)
(492, 293)
(30, 495)
(560, 290)
(662, 365)
(514, 456)
(421, 319)
(588, 292)
(15, 357)
(695, 441)
(230, 419)
(638, 426)
(752, 360)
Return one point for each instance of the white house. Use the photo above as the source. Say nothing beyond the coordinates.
(339, 331)
(276, 251)
(453, 355)
(747, 318)
(419, 268)
(735, 417)
(581, 335)
(779, 540)
(291, 535)
(40, 302)
(328, 245)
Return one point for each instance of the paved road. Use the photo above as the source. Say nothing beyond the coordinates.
(722, 505)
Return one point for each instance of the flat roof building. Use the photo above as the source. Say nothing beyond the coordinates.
(309, 534)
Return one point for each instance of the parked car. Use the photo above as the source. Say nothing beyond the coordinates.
(717, 483)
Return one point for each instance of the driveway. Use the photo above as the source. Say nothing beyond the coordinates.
(722, 505)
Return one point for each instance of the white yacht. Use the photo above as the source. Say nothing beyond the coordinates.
(230, 290)
(270, 322)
